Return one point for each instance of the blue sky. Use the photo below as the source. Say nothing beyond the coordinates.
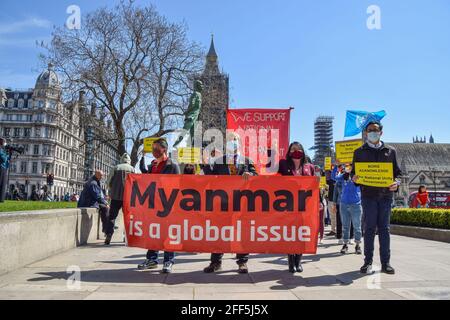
(316, 56)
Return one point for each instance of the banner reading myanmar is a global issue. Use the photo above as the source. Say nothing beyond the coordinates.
(377, 174)
(346, 149)
(204, 214)
(264, 134)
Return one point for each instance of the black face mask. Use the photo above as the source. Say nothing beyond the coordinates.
(346, 176)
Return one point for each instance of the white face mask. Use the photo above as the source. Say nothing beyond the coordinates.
(374, 137)
(233, 146)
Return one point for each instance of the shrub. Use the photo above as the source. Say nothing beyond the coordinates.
(428, 218)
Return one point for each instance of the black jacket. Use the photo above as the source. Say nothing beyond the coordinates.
(221, 167)
(383, 154)
(170, 167)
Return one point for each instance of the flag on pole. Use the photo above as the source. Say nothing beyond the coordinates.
(357, 120)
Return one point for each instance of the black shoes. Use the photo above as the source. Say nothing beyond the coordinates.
(366, 268)
(243, 269)
(295, 264)
(291, 262)
(108, 239)
(148, 265)
(386, 268)
(213, 267)
(358, 250)
(344, 249)
(298, 263)
(331, 233)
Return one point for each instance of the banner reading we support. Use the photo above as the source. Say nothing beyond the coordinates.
(265, 135)
(204, 214)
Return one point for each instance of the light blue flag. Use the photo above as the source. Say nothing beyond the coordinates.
(357, 120)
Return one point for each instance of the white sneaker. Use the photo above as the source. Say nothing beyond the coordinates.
(341, 241)
(320, 241)
(350, 242)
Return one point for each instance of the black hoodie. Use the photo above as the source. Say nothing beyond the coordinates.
(383, 154)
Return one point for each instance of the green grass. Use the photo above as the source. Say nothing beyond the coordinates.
(14, 206)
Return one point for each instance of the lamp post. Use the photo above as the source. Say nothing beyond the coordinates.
(433, 172)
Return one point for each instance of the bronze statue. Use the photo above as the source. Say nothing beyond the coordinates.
(193, 112)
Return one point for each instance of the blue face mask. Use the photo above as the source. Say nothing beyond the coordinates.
(374, 137)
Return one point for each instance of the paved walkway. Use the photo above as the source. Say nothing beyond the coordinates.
(423, 272)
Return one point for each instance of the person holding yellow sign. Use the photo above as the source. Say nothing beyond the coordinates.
(377, 171)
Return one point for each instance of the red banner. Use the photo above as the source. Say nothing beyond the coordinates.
(271, 127)
(222, 214)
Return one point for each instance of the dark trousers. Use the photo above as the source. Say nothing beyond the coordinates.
(116, 206)
(3, 183)
(168, 256)
(241, 258)
(104, 217)
(377, 215)
(339, 224)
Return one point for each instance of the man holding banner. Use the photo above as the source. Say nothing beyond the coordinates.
(377, 171)
(161, 165)
(232, 164)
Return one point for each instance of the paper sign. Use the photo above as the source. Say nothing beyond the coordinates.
(148, 144)
(189, 155)
(323, 182)
(327, 165)
(377, 174)
(346, 149)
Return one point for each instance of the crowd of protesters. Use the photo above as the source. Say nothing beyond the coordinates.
(355, 213)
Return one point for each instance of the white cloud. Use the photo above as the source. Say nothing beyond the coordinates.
(15, 27)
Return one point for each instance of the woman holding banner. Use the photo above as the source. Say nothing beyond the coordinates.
(295, 164)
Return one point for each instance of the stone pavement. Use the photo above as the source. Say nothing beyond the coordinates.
(423, 272)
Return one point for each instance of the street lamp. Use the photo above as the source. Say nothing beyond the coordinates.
(434, 172)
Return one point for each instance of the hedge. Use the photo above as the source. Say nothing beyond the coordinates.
(427, 218)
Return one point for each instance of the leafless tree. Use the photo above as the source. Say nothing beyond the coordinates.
(134, 63)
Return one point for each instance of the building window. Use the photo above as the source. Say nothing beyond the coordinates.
(29, 118)
(18, 117)
(30, 104)
(37, 132)
(23, 167)
(36, 150)
(21, 103)
(16, 132)
(11, 103)
(27, 132)
(7, 132)
(35, 168)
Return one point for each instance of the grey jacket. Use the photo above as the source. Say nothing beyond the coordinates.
(118, 176)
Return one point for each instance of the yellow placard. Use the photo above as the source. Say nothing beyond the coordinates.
(323, 182)
(327, 164)
(148, 144)
(189, 155)
(346, 149)
(378, 174)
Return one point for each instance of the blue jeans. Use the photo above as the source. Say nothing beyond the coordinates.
(377, 215)
(351, 214)
(153, 256)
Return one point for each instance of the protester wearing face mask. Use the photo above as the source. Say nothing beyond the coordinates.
(350, 210)
(232, 164)
(377, 202)
(161, 165)
(337, 195)
(295, 165)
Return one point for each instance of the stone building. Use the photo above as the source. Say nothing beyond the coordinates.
(323, 139)
(54, 136)
(216, 93)
(425, 164)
